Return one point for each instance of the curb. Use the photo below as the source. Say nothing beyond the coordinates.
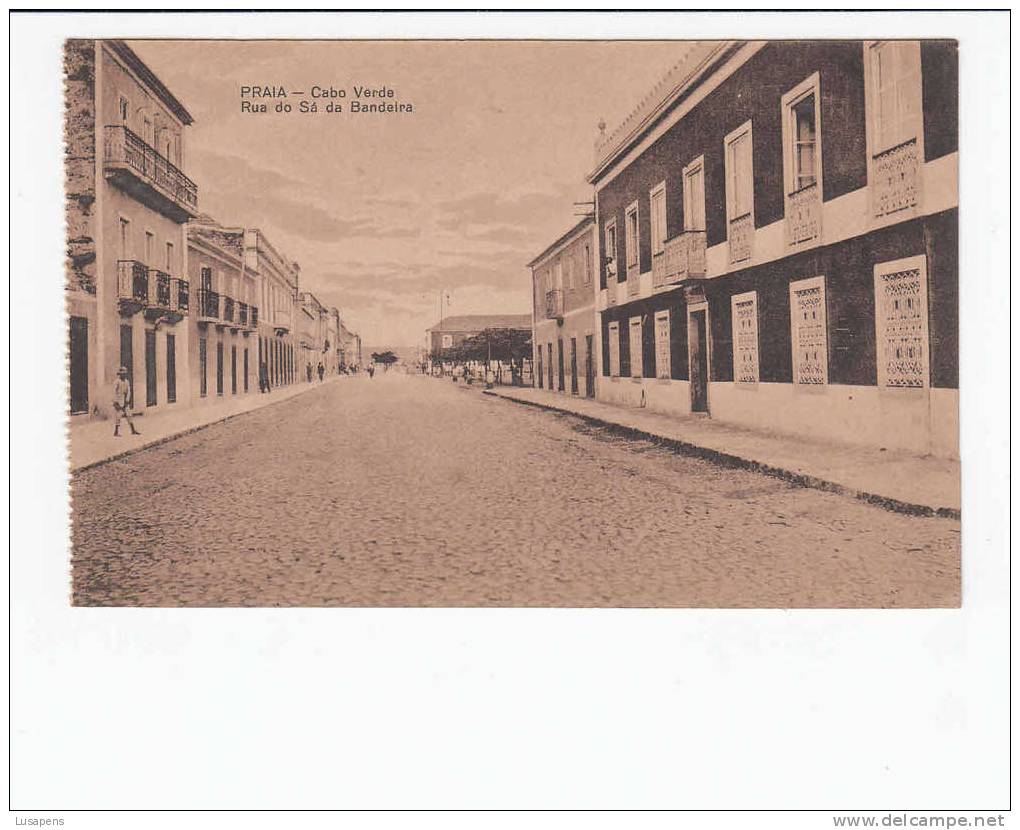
(175, 435)
(724, 459)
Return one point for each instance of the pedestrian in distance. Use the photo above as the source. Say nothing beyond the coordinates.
(308, 371)
(322, 371)
(122, 402)
(263, 377)
(371, 372)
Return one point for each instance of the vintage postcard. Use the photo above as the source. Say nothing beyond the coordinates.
(509, 411)
(343, 331)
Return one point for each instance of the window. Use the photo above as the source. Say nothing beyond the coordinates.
(125, 239)
(631, 240)
(636, 357)
(169, 257)
(745, 338)
(614, 350)
(149, 242)
(901, 323)
(895, 91)
(447, 341)
(694, 195)
(802, 150)
(611, 251)
(739, 174)
(808, 334)
(558, 271)
(657, 202)
(123, 109)
(895, 135)
(739, 193)
(587, 263)
(662, 359)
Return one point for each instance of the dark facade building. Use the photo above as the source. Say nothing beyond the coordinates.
(777, 226)
(563, 288)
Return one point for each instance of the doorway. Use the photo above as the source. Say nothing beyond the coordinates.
(697, 342)
(589, 366)
(127, 359)
(78, 349)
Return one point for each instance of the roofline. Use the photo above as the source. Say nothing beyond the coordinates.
(563, 240)
(214, 248)
(606, 160)
(137, 65)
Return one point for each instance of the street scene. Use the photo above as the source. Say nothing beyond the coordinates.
(405, 490)
(693, 342)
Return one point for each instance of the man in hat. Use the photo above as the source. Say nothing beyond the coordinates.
(122, 402)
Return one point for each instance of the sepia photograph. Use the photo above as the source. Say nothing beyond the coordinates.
(346, 332)
(491, 412)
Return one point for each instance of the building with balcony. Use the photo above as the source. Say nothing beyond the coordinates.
(276, 280)
(777, 227)
(349, 351)
(224, 313)
(564, 322)
(127, 200)
(312, 336)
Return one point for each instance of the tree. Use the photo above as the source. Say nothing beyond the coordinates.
(386, 358)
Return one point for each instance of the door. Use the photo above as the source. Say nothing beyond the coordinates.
(150, 367)
(127, 358)
(541, 377)
(233, 369)
(245, 368)
(203, 380)
(219, 367)
(559, 363)
(78, 350)
(589, 366)
(573, 365)
(171, 368)
(549, 368)
(698, 346)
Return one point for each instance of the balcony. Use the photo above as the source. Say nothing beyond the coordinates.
(132, 286)
(242, 315)
(554, 304)
(158, 301)
(183, 296)
(633, 279)
(741, 237)
(610, 289)
(228, 311)
(804, 215)
(134, 166)
(208, 306)
(683, 258)
(895, 180)
(254, 318)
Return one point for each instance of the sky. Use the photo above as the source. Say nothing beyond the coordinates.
(383, 212)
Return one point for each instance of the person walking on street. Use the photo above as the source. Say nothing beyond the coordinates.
(263, 377)
(322, 371)
(122, 402)
(371, 372)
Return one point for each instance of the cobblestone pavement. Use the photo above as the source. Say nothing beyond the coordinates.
(409, 491)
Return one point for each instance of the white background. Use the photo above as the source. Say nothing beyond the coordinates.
(827, 710)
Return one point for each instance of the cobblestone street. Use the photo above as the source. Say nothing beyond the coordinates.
(408, 491)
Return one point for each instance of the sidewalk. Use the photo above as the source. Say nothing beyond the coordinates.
(93, 443)
(897, 481)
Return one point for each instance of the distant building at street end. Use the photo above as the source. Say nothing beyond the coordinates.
(563, 334)
(778, 230)
(452, 331)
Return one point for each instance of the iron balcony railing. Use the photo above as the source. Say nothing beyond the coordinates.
(208, 304)
(182, 295)
(123, 147)
(254, 316)
(554, 304)
(159, 289)
(242, 314)
(228, 309)
(132, 282)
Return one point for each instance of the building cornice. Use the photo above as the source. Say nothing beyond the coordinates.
(149, 79)
(679, 84)
(574, 233)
